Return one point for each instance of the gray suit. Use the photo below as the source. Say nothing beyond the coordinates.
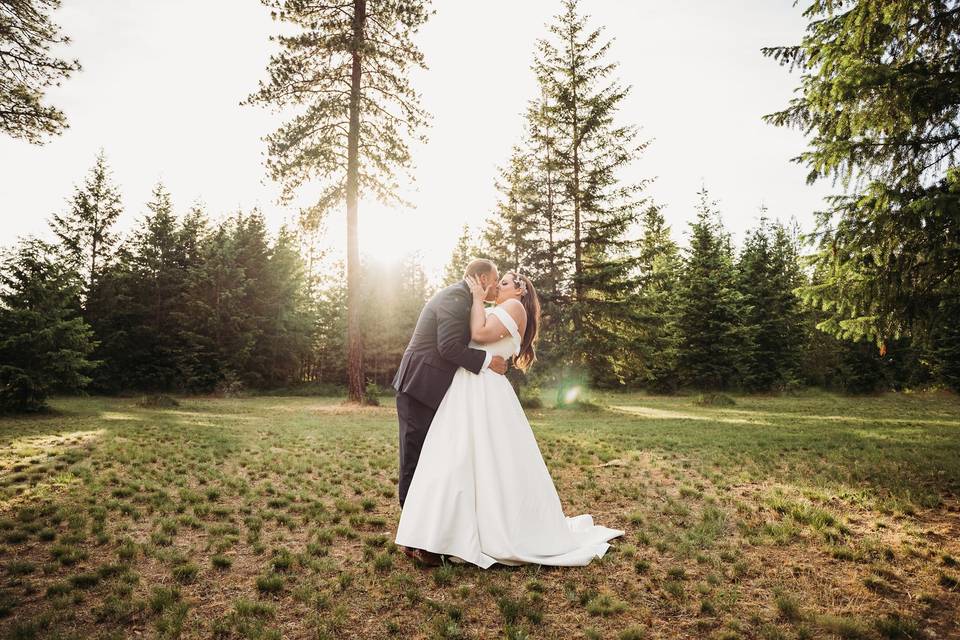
(436, 350)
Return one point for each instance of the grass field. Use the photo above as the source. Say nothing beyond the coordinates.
(778, 517)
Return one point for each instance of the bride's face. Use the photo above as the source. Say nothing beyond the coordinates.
(508, 289)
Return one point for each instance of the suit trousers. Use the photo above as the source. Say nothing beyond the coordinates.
(415, 418)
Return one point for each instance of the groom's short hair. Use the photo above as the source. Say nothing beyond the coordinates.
(478, 266)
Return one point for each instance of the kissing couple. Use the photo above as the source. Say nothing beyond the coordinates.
(473, 485)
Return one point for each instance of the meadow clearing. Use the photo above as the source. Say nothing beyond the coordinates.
(272, 517)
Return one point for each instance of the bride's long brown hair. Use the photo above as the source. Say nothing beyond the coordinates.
(531, 304)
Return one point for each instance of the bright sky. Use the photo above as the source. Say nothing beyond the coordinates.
(162, 82)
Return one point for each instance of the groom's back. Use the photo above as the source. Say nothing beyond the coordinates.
(424, 336)
(424, 373)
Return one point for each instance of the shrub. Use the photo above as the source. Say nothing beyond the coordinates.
(157, 401)
(714, 400)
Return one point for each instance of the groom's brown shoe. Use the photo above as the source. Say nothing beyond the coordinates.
(422, 556)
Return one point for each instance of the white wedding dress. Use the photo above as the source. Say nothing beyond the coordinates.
(481, 492)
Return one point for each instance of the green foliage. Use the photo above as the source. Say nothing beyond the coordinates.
(465, 250)
(709, 305)
(44, 342)
(400, 292)
(344, 69)
(654, 362)
(768, 272)
(878, 94)
(27, 70)
(84, 232)
(564, 214)
(714, 400)
(187, 307)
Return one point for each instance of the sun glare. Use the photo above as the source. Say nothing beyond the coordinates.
(387, 235)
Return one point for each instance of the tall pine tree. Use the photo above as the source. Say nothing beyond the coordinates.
(580, 102)
(708, 305)
(85, 231)
(464, 251)
(348, 68)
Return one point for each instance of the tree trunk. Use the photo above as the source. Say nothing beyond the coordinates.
(355, 346)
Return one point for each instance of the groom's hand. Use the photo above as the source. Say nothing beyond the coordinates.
(498, 365)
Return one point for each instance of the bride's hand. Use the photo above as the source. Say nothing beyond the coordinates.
(477, 289)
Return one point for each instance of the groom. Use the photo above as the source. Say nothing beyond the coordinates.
(436, 350)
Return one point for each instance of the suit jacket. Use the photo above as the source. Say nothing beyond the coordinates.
(439, 347)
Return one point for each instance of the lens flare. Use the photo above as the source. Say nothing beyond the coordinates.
(572, 395)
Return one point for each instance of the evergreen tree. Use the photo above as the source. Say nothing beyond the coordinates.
(708, 305)
(511, 235)
(44, 343)
(348, 66)
(199, 363)
(549, 254)
(580, 102)
(329, 330)
(878, 93)
(140, 328)
(217, 299)
(285, 336)
(768, 272)
(400, 291)
(653, 364)
(27, 69)
(552, 254)
(945, 343)
(465, 250)
(84, 232)
(159, 267)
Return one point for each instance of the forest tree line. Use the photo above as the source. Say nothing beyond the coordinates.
(186, 304)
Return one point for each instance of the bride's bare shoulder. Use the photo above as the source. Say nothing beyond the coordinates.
(515, 309)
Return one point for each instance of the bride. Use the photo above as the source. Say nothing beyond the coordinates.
(481, 492)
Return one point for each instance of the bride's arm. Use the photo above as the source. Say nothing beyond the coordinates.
(483, 328)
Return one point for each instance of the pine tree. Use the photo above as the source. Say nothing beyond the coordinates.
(348, 66)
(708, 304)
(44, 342)
(788, 278)
(945, 343)
(84, 232)
(878, 94)
(580, 102)
(552, 254)
(285, 335)
(511, 236)
(220, 322)
(465, 250)
(548, 248)
(198, 362)
(27, 69)
(142, 301)
(329, 330)
(653, 363)
(767, 275)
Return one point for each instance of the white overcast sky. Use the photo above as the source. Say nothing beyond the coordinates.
(162, 81)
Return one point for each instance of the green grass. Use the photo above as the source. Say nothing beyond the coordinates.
(772, 517)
